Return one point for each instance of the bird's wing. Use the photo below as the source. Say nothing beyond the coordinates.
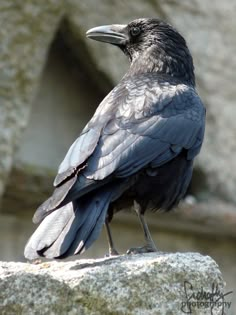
(85, 144)
(77, 156)
(79, 151)
(141, 122)
(151, 126)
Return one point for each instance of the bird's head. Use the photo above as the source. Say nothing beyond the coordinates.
(151, 45)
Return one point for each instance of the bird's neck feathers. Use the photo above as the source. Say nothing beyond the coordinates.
(178, 65)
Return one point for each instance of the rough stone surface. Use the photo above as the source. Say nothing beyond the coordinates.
(142, 284)
(30, 26)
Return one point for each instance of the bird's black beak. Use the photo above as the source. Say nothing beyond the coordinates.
(112, 34)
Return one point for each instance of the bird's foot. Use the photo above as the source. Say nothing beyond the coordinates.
(112, 252)
(142, 250)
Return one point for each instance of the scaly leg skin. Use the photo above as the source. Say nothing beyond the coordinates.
(112, 250)
(150, 245)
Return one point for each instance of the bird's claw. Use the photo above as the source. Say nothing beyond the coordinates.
(112, 252)
(141, 250)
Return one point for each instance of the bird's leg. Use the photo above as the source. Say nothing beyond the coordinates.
(150, 245)
(112, 250)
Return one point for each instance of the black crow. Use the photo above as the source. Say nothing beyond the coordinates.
(140, 143)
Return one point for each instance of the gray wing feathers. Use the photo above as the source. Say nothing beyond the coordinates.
(136, 130)
(132, 144)
(125, 136)
(80, 150)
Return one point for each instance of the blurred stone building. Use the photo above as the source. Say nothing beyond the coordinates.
(52, 79)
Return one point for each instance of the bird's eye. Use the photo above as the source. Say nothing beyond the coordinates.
(135, 31)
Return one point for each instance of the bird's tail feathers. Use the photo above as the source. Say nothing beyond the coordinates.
(72, 228)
